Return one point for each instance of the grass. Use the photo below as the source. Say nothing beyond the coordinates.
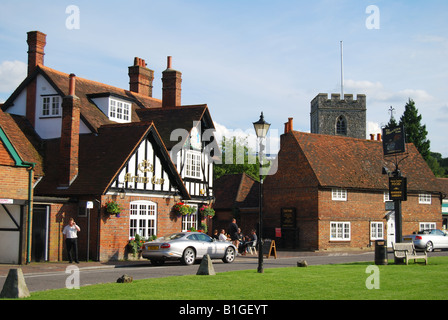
(324, 282)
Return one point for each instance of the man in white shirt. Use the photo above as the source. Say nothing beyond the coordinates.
(71, 240)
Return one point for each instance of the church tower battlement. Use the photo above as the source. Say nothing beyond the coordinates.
(336, 116)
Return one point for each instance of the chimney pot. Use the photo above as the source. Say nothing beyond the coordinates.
(378, 137)
(372, 136)
(169, 59)
(72, 83)
(141, 78)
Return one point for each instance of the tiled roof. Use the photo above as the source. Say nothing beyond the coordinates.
(236, 190)
(101, 157)
(357, 163)
(169, 119)
(24, 140)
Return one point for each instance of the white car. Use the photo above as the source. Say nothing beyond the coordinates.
(187, 247)
(428, 239)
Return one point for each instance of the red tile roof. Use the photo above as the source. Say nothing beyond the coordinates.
(236, 190)
(357, 163)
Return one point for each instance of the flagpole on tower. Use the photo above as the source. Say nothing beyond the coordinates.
(342, 70)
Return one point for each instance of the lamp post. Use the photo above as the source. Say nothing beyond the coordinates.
(261, 130)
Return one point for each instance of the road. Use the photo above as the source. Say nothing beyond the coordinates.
(62, 277)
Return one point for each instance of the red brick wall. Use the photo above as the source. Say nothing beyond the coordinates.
(114, 232)
(14, 183)
(294, 186)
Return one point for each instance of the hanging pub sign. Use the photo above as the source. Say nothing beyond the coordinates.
(394, 140)
(398, 188)
(288, 218)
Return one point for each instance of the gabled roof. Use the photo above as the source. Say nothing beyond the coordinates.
(236, 190)
(169, 119)
(23, 141)
(85, 90)
(102, 156)
(357, 163)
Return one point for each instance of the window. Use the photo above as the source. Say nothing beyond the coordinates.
(386, 196)
(376, 231)
(190, 220)
(119, 110)
(142, 219)
(424, 198)
(427, 226)
(193, 165)
(341, 126)
(340, 231)
(339, 194)
(51, 106)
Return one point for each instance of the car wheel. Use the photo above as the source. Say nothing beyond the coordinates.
(429, 246)
(189, 256)
(229, 255)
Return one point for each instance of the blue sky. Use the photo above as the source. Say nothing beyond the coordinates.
(247, 56)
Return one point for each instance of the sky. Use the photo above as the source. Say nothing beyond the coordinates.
(245, 57)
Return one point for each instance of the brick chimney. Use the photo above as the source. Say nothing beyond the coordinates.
(289, 125)
(171, 91)
(36, 44)
(69, 147)
(141, 78)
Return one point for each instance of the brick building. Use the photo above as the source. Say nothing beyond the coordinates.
(94, 143)
(329, 193)
(237, 195)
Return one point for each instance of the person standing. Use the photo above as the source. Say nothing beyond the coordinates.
(233, 232)
(71, 240)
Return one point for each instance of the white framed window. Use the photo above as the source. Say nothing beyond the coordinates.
(424, 198)
(338, 194)
(426, 226)
(119, 111)
(51, 106)
(376, 230)
(193, 164)
(190, 220)
(386, 196)
(339, 231)
(142, 219)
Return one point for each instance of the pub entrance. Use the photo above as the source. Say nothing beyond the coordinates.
(39, 244)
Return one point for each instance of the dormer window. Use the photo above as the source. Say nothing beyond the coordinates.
(51, 106)
(119, 111)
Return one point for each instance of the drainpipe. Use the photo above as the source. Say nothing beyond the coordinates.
(31, 166)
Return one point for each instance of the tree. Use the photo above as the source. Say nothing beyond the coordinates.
(236, 157)
(415, 132)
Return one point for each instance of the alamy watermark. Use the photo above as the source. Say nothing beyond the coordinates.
(73, 280)
(373, 280)
(373, 20)
(73, 21)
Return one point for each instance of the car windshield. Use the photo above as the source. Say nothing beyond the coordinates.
(173, 236)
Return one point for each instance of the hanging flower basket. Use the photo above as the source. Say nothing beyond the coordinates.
(207, 211)
(182, 209)
(113, 208)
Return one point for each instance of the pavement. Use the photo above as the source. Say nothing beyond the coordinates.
(45, 267)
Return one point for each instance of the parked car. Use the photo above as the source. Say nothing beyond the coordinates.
(187, 247)
(429, 239)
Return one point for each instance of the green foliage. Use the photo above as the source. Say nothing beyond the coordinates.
(237, 157)
(415, 132)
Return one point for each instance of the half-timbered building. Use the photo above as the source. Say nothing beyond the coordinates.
(99, 145)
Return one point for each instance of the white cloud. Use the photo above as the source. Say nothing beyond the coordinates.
(12, 73)
(375, 91)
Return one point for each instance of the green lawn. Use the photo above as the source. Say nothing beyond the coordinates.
(325, 282)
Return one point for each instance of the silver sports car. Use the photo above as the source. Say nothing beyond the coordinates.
(429, 239)
(187, 247)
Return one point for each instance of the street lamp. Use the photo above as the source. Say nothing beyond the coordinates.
(261, 130)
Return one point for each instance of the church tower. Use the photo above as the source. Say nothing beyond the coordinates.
(341, 117)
